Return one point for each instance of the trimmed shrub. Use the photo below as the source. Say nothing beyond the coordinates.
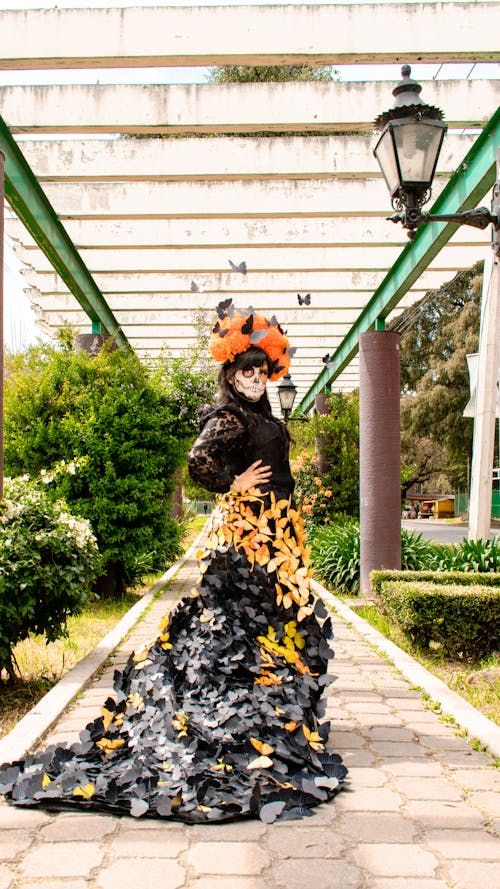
(48, 561)
(463, 620)
(461, 578)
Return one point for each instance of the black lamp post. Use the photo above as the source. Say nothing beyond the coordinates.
(287, 391)
(407, 152)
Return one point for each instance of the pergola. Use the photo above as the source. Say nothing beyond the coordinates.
(114, 222)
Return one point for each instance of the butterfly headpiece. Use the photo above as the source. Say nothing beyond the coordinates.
(237, 330)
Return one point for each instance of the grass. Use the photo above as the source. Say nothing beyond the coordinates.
(477, 683)
(42, 664)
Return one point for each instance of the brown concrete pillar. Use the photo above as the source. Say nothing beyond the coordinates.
(320, 404)
(2, 193)
(379, 453)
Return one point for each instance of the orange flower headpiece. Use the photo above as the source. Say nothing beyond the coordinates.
(237, 330)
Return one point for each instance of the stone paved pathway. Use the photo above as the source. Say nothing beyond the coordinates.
(422, 810)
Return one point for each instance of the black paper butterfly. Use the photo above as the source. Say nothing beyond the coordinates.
(241, 268)
(304, 300)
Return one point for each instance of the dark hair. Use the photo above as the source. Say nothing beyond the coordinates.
(227, 394)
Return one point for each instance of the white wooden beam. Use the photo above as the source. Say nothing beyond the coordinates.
(201, 200)
(249, 35)
(258, 259)
(241, 287)
(208, 234)
(229, 157)
(229, 108)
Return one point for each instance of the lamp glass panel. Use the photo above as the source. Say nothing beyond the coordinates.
(286, 395)
(387, 160)
(417, 144)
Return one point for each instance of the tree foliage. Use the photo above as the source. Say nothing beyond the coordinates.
(60, 405)
(333, 491)
(271, 73)
(438, 334)
(48, 560)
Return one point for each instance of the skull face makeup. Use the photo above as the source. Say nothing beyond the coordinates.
(251, 382)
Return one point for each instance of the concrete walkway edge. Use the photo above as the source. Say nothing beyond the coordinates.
(45, 713)
(452, 703)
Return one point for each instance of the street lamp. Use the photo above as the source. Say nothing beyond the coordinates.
(407, 152)
(287, 391)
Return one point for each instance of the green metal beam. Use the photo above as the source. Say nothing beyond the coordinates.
(471, 181)
(35, 211)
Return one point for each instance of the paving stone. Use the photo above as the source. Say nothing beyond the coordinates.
(460, 816)
(369, 827)
(367, 777)
(13, 842)
(306, 842)
(54, 883)
(410, 701)
(359, 758)
(334, 874)
(387, 733)
(474, 874)
(227, 858)
(360, 695)
(421, 727)
(442, 742)
(425, 768)
(373, 799)
(346, 740)
(401, 749)
(366, 707)
(488, 801)
(12, 818)
(467, 759)
(428, 788)
(408, 883)
(149, 844)
(420, 714)
(395, 860)
(62, 860)
(455, 844)
(228, 883)
(6, 877)
(381, 721)
(231, 831)
(151, 873)
(78, 827)
(477, 779)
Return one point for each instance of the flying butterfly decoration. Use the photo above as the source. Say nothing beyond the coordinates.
(304, 300)
(241, 267)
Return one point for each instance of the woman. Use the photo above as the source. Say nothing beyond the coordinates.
(217, 717)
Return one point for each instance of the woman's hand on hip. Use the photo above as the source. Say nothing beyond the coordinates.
(252, 477)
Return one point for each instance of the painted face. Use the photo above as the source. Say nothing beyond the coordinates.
(251, 382)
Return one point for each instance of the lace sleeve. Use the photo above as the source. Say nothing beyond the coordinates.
(222, 438)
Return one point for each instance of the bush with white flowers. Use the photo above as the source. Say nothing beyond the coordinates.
(48, 561)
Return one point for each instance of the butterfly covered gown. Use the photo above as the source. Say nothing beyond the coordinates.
(216, 718)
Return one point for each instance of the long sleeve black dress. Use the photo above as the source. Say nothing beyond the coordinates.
(218, 717)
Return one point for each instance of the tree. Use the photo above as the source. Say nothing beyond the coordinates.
(271, 73)
(437, 335)
(60, 405)
(327, 495)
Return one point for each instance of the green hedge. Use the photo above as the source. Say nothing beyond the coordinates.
(463, 619)
(462, 578)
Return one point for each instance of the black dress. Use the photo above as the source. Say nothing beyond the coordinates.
(217, 718)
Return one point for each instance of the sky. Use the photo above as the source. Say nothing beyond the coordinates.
(20, 328)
